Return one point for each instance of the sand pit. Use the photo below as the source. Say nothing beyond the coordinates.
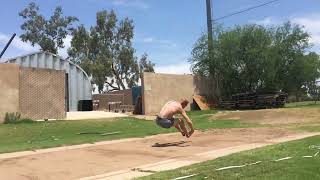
(273, 116)
(132, 153)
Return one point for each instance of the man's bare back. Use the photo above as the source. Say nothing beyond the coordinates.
(170, 108)
(166, 118)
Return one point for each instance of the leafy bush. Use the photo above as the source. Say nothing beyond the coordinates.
(12, 118)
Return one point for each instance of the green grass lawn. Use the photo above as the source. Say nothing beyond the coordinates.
(36, 135)
(304, 104)
(296, 168)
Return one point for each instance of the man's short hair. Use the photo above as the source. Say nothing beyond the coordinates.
(184, 100)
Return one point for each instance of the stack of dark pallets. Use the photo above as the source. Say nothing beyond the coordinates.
(254, 100)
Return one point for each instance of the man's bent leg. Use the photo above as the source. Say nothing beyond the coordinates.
(179, 129)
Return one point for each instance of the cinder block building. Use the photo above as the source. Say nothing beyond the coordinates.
(77, 82)
(42, 86)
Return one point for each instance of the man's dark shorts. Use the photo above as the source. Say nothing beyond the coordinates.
(164, 122)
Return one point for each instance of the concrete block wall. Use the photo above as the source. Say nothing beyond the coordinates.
(35, 93)
(42, 93)
(125, 96)
(104, 99)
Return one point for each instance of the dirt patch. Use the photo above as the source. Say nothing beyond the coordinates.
(272, 116)
(90, 161)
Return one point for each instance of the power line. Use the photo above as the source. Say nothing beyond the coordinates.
(245, 10)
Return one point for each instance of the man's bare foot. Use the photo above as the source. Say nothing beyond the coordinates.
(184, 133)
(190, 133)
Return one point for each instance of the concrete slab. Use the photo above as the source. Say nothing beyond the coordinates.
(92, 115)
(145, 117)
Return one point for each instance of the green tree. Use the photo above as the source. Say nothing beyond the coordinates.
(200, 61)
(239, 55)
(106, 52)
(48, 34)
(202, 65)
(256, 58)
(312, 75)
(314, 90)
(145, 65)
(242, 53)
(290, 45)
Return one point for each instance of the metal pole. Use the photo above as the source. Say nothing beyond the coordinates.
(210, 49)
(5, 48)
(209, 24)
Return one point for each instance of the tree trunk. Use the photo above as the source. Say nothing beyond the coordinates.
(297, 96)
(119, 80)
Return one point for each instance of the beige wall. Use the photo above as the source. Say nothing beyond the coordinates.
(42, 93)
(205, 86)
(157, 89)
(9, 89)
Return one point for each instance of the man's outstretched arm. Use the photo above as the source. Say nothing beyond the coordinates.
(189, 122)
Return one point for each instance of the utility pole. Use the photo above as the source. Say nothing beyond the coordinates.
(209, 24)
(216, 92)
(5, 48)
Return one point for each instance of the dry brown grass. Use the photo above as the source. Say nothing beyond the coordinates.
(272, 116)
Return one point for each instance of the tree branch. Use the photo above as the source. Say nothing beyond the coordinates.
(119, 80)
(112, 86)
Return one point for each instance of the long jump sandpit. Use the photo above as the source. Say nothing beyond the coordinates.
(129, 158)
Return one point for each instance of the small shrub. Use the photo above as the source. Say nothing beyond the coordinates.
(11, 118)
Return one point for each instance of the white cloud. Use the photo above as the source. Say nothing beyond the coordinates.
(310, 22)
(17, 43)
(67, 44)
(267, 21)
(131, 3)
(181, 68)
(148, 40)
(161, 42)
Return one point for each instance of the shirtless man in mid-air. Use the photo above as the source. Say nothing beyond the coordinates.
(165, 118)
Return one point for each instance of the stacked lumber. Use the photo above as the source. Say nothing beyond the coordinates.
(254, 100)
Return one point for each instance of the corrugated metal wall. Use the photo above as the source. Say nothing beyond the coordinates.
(79, 83)
(136, 92)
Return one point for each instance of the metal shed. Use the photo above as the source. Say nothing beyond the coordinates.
(78, 85)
